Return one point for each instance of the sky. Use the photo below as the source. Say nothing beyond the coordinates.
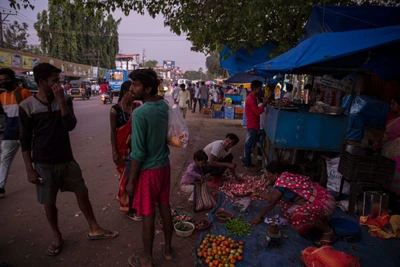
(136, 32)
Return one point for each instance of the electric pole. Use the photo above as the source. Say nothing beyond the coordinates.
(7, 13)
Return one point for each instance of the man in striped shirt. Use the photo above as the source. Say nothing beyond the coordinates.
(10, 100)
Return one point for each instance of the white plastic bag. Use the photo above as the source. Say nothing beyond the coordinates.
(178, 132)
(335, 178)
(241, 204)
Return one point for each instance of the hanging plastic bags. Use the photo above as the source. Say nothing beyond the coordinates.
(178, 132)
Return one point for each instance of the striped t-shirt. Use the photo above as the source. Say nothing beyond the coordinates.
(10, 106)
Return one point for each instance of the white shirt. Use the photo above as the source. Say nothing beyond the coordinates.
(288, 96)
(214, 94)
(183, 98)
(215, 148)
(175, 92)
(196, 92)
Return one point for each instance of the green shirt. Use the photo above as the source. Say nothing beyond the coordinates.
(149, 135)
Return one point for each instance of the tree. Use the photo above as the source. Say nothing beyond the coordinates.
(150, 63)
(194, 75)
(71, 32)
(234, 23)
(15, 36)
(213, 65)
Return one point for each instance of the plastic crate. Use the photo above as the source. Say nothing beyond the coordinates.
(229, 114)
(377, 168)
(217, 107)
(239, 110)
(229, 108)
(238, 116)
(218, 114)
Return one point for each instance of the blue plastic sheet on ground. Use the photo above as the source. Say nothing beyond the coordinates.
(371, 251)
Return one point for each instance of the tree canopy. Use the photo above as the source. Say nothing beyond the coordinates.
(235, 23)
(150, 63)
(71, 32)
(15, 36)
(213, 64)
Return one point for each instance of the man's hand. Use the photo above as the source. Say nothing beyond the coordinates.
(232, 166)
(58, 92)
(255, 221)
(117, 157)
(130, 188)
(33, 177)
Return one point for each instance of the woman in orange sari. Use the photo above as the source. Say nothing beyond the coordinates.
(121, 131)
(390, 143)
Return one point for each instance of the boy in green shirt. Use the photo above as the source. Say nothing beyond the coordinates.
(150, 170)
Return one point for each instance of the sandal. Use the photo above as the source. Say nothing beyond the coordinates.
(326, 242)
(54, 250)
(134, 260)
(167, 258)
(105, 235)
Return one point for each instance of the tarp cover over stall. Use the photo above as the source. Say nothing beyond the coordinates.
(325, 19)
(243, 77)
(375, 50)
(244, 60)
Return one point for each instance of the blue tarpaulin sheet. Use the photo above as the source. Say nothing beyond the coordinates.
(366, 111)
(349, 18)
(371, 251)
(243, 77)
(370, 50)
(244, 60)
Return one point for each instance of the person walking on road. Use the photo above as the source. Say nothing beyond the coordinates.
(183, 100)
(253, 113)
(203, 95)
(196, 98)
(46, 120)
(121, 131)
(150, 171)
(191, 91)
(175, 92)
(9, 101)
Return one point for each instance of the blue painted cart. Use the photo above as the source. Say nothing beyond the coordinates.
(303, 130)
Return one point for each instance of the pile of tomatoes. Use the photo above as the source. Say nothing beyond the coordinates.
(220, 251)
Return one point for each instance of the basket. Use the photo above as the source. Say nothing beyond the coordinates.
(217, 107)
(184, 233)
(185, 213)
(201, 229)
(377, 168)
(239, 110)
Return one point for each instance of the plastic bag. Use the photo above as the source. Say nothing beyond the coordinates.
(241, 204)
(178, 132)
(335, 178)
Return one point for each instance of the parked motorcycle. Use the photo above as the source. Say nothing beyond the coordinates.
(105, 97)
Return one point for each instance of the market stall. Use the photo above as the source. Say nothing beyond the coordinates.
(285, 126)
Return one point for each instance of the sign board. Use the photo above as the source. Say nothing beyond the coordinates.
(168, 64)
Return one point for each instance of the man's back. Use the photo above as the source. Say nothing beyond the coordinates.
(149, 135)
(203, 92)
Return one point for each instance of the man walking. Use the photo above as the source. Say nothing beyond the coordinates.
(183, 100)
(252, 112)
(9, 101)
(150, 170)
(191, 91)
(203, 95)
(175, 92)
(196, 98)
(45, 121)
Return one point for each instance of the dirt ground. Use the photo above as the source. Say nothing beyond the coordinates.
(25, 235)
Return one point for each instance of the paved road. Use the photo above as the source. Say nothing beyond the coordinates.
(24, 233)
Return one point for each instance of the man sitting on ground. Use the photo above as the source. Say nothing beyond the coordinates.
(220, 157)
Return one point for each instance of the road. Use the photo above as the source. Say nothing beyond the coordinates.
(25, 234)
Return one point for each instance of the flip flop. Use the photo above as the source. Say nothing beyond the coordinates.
(326, 242)
(165, 257)
(134, 261)
(56, 249)
(105, 235)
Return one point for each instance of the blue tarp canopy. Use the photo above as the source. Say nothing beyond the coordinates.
(349, 18)
(243, 77)
(375, 50)
(244, 60)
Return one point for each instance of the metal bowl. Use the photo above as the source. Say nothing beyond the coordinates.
(333, 110)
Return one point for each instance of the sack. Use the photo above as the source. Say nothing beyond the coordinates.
(326, 256)
(178, 132)
(335, 178)
(203, 198)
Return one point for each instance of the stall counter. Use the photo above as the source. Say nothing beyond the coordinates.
(304, 130)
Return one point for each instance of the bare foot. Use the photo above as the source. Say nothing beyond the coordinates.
(167, 252)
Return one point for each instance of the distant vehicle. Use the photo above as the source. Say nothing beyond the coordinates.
(27, 82)
(184, 81)
(115, 78)
(79, 88)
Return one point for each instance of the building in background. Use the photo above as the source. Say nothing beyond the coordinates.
(127, 62)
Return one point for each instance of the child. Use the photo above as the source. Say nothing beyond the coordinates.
(193, 172)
